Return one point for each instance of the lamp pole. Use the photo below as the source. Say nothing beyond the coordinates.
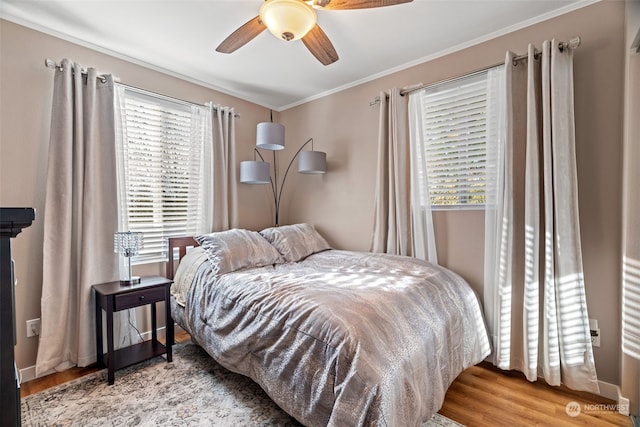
(277, 192)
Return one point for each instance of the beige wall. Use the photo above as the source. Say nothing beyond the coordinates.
(340, 202)
(345, 126)
(25, 102)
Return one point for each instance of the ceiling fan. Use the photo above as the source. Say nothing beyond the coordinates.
(296, 19)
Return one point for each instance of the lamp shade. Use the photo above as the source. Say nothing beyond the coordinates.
(127, 243)
(270, 136)
(254, 172)
(288, 19)
(312, 162)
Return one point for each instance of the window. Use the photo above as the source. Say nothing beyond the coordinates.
(452, 135)
(162, 172)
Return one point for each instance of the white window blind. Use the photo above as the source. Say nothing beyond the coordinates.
(160, 166)
(454, 133)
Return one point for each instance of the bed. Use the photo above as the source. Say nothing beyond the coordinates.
(334, 337)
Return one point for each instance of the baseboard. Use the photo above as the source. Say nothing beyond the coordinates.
(613, 392)
(29, 373)
(608, 390)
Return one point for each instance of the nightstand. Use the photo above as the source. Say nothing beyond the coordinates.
(112, 297)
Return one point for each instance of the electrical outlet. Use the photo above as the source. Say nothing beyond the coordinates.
(33, 327)
(595, 337)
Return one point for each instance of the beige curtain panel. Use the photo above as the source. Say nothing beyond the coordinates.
(80, 215)
(392, 213)
(534, 285)
(225, 195)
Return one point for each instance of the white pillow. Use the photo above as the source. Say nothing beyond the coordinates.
(186, 272)
(295, 242)
(234, 249)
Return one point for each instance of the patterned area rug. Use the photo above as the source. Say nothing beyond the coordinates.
(192, 391)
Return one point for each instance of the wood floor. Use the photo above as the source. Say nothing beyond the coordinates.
(485, 396)
(480, 396)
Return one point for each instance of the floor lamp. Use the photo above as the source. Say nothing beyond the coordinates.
(270, 136)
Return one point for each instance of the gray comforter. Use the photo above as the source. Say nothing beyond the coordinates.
(341, 338)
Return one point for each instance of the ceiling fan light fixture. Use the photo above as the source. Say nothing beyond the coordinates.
(288, 19)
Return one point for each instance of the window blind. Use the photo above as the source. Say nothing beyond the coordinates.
(454, 128)
(161, 157)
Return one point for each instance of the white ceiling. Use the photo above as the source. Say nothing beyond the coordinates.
(180, 36)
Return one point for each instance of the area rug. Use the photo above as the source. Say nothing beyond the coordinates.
(194, 390)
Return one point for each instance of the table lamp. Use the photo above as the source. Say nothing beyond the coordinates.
(128, 244)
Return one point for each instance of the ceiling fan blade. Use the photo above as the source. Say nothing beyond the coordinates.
(320, 46)
(356, 4)
(242, 36)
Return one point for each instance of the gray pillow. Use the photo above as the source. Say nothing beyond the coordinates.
(234, 249)
(295, 242)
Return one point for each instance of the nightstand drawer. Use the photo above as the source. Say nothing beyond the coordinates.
(137, 298)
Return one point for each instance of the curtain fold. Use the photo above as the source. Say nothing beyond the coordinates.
(534, 285)
(80, 215)
(221, 180)
(124, 322)
(498, 212)
(424, 242)
(532, 206)
(392, 216)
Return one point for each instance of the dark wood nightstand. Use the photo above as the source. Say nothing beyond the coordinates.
(112, 297)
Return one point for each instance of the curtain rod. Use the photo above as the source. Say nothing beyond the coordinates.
(573, 43)
(49, 63)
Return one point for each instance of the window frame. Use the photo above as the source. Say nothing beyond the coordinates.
(480, 78)
(178, 152)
